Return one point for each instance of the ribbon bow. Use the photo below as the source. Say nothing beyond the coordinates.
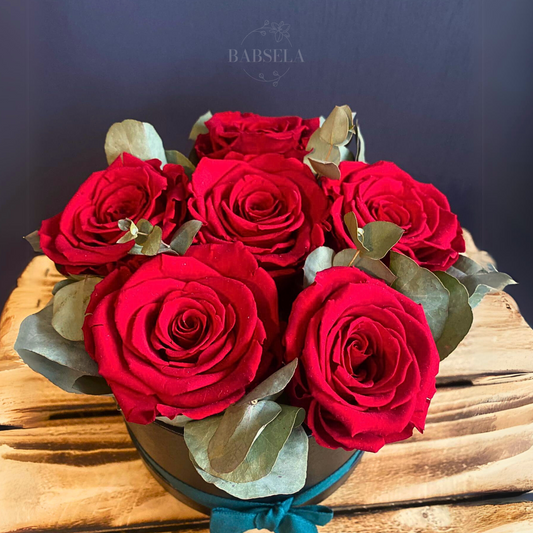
(279, 517)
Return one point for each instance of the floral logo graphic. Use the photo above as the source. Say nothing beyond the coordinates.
(267, 64)
(280, 30)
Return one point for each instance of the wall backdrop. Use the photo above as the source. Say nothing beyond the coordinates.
(443, 88)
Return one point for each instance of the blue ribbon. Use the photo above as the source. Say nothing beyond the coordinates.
(287, 515)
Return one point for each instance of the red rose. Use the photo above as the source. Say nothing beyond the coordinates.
(271, 204)
(382, 191)
(246, 133)
(82, 239)
(183, 335)
(367, 360)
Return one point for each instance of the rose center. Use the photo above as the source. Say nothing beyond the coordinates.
(188, 328)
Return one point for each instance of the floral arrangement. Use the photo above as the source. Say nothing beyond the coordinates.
(270, 288)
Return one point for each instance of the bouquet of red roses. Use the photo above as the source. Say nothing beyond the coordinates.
(270, 289)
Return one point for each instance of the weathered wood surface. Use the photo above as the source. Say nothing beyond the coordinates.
(67, 463)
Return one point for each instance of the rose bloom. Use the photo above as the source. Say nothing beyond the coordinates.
(246, 133)
(367, 364)
(271, 204)
(82, 239)
(183, 335)
(382, 191)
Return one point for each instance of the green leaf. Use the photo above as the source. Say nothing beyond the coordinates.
(35, 243)
(153, 242)
(70, 305)
(182, 239)
(478, 280)
(287, 476)
(319, 259)
(329, 169)
(336, 128)
(177, 158)
(356, 234)
(237, 431)
(272, 386)
(136, 138)
(379, 237)
(63, 283)
(199, 126)
(423, 287)
(131, 229)
(460, 316)
(266, 448)
(373, 267)
(65, 363)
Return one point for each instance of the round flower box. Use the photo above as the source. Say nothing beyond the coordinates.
(163, 450)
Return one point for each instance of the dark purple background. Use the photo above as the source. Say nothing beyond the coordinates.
(444, 88)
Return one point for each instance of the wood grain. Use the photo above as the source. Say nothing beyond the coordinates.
(67, 463)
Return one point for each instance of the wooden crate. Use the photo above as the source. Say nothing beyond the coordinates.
(67, 463)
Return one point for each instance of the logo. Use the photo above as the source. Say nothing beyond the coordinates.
(266, 54)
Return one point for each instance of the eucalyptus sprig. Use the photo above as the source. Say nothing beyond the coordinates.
(148, 238)
(328, 143)
(242, 451)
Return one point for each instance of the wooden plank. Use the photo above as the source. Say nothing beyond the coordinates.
(478, 441)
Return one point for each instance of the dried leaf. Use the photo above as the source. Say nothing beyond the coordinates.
(65, 363)
(237, 431)
(379, 237)
(328, 169)
(336, 127)
(318, 260)
(199, 126)
(423, 287)
(35, 243)
(287, 476)
(153, 242)
(460, 315)
(182, 239)
(360, 151)
(70, 305)
(136, 138)
(478, 280)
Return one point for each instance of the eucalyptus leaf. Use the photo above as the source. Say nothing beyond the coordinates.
(360, 152)
(372, 267)
(272, 386)
(237, 431)
(287, 476)
(350, 220)
(182, 239)
(177, 158)
(178, 421)
(329, 169)
(319, 259)
(265, 449)
(478, 280)
(199, 126)
(336, 127)
(70, 304)
(153, 242)
(35, 243)
(321, 150)
(136, 138)
(379, 237)
(127, 237)
(460, 315)
(63, 283)
(65, 363)
(124, 224)
(423, 287)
